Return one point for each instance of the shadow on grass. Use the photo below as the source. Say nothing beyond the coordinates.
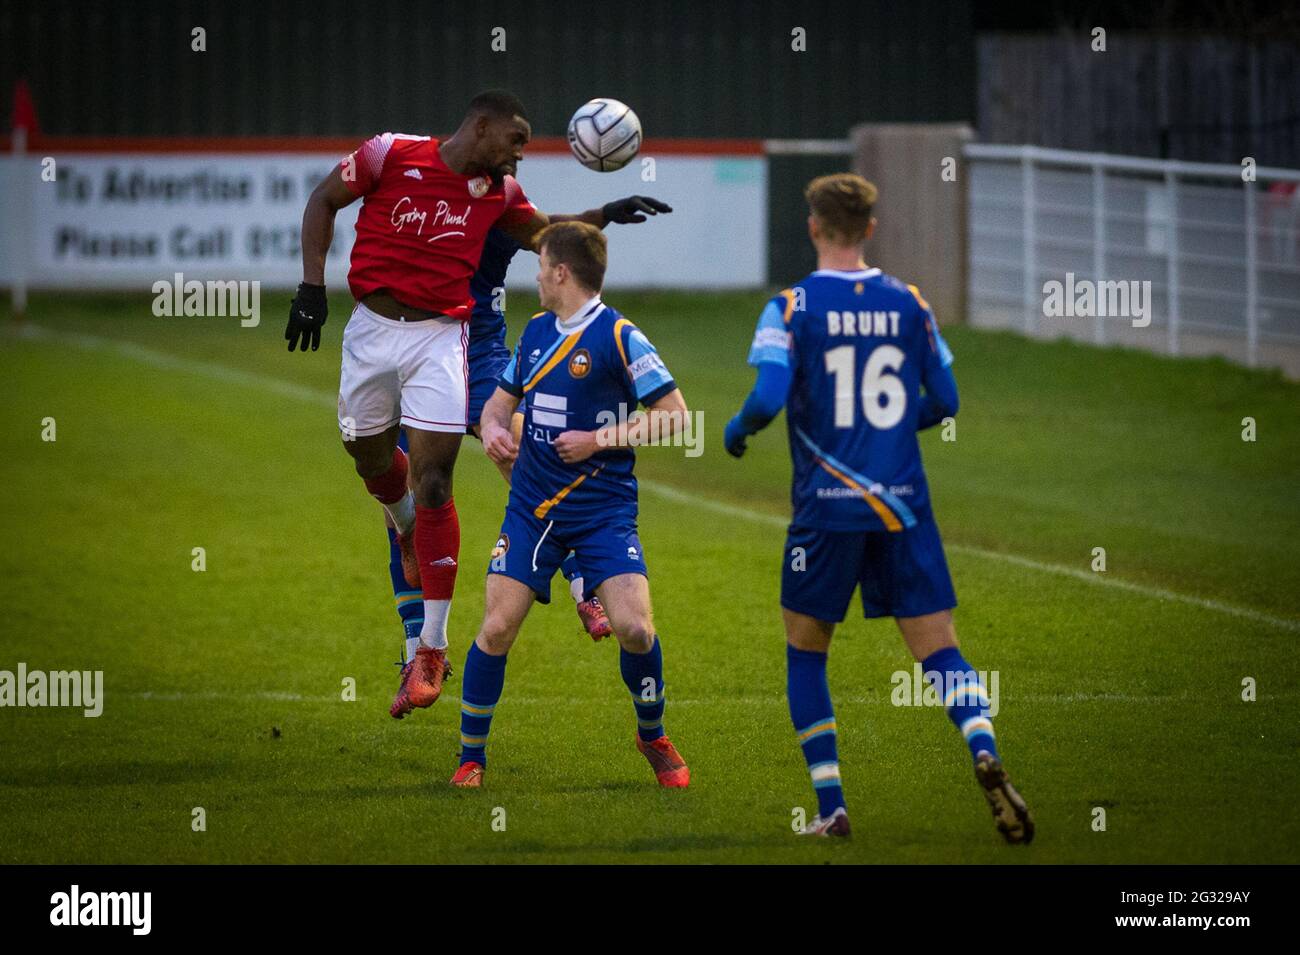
(683, 842)
(126, 773)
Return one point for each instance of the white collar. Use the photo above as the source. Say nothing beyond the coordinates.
(855, 276)
(580, 319)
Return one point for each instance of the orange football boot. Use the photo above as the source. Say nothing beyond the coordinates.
(410, 563)
(669, 767)
(421, 681)
(468, 776)
(593, 618)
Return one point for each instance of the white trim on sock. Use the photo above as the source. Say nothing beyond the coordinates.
(434, 633)
(576, 588)
(412, 644)
(402, 513)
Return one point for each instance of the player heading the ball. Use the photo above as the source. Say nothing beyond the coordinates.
(410, 353)
(856, 358)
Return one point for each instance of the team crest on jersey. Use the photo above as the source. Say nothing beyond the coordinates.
(580, 363)
(503, 546)
(479, 186)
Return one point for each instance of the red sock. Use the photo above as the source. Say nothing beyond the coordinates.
(390, 487)
(437, 544)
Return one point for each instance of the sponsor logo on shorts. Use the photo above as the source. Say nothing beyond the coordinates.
(503, 545)
(580, 363)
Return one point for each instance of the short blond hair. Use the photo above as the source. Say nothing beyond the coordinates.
(842, 203)
(581, 247)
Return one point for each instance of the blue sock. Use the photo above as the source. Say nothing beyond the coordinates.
(410, 603)
(640, 672)
(964, 697)
(484, 677)
(814, 723)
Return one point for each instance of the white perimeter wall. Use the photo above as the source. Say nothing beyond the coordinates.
(59, 234)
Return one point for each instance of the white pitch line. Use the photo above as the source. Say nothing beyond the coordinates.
(224, 373)
(1087, 577)
(276, 696)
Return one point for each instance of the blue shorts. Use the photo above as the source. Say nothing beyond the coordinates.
(487, 356)
(902, 574)
(530, 550)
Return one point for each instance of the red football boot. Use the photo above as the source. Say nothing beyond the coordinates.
(468, 776)
(421, 681)
(670, 769)
(410, 563)
(593, 618)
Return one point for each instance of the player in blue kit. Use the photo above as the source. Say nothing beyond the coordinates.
(578, 371)
(487, 356)
(856, 359)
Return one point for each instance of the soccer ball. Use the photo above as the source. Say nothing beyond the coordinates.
(605, 135)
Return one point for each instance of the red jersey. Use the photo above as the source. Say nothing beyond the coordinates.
(421, 228)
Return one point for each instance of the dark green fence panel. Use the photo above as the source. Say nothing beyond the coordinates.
(342, 67)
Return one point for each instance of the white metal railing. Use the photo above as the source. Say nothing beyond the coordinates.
(1220, 272)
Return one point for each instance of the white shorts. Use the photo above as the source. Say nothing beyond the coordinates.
(413, 372)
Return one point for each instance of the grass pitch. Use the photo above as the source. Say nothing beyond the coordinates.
(1120, 690)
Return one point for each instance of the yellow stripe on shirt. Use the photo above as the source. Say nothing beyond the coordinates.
(788, 295)
(618, 338)
(544, 508)
(560, 354)
(916, 293)
(877, 505)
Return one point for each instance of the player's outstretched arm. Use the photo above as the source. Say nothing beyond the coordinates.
(628, 211)
(631, 210)
(309, 308)
(527, 233)
(771, 389)
(495, 423)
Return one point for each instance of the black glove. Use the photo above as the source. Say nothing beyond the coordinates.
(626, 211)
(307, 314)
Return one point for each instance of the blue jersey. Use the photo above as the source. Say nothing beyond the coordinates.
(586, 374)
(488, 320)
(860, 347)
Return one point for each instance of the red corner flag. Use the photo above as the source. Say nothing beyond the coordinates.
(24, 109)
